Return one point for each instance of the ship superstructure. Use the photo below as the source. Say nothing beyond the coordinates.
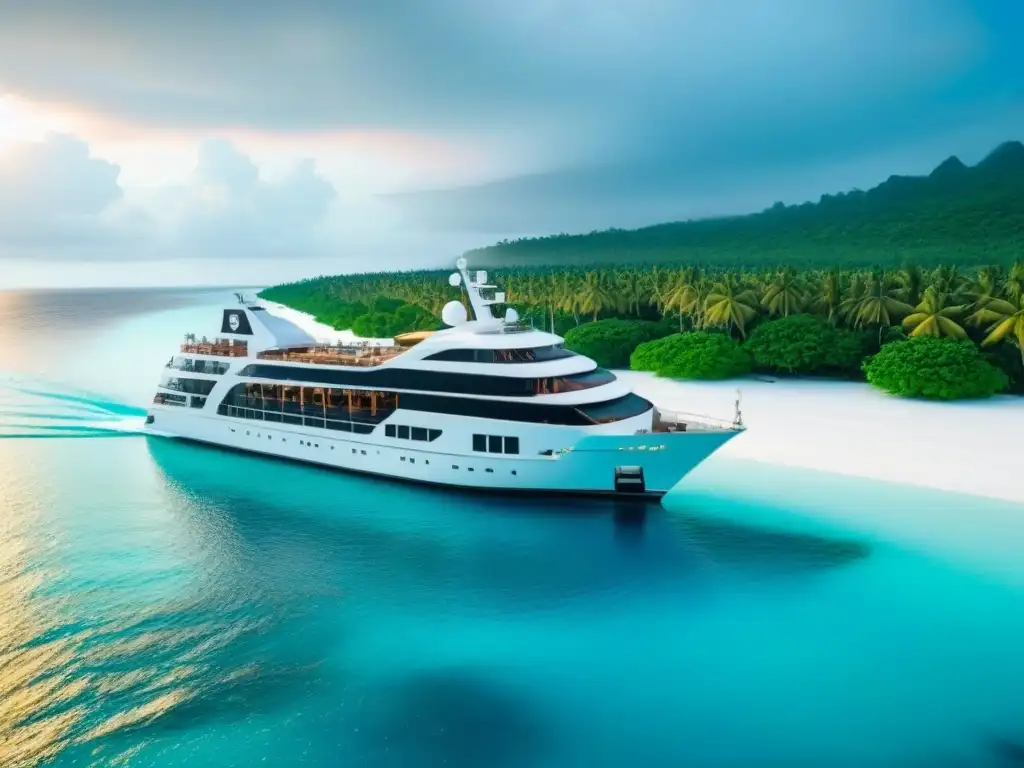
(488, 402)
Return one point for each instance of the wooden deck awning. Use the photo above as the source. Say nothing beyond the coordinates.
(412, 338)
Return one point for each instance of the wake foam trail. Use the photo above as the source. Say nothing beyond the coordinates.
(41, 410)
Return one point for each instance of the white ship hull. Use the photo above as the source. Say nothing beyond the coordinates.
(484, 404)
(588, 468)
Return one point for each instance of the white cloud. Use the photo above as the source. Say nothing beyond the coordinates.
(54, 192)
(57, 198)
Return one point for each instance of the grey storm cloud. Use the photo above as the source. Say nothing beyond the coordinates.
(627, 107)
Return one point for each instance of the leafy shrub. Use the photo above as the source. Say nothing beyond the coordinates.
(696, 355)
(936, 368)
(611, 342)
(807, 345)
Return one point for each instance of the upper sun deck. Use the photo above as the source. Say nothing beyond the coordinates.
(216, 347)
(334, 354)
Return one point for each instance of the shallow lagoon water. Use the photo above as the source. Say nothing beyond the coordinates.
(163, 604)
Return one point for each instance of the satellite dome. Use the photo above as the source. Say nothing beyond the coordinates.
(511, 316)
(454, 279)
(461, 263)
(454, 313)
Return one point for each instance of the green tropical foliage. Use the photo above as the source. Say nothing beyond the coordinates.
(693, 355)
(610, 342)
(803, 344)
(935, 368)
(955, 215)
(936, 316)
(867, 309)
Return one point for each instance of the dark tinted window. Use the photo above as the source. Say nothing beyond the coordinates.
(403, 432)
(434, 434)
(389, 430)
(615, 410)
(511, 445)
(419, 433)
(534, 413)
(432, 381)
(574, 383)
(494, 444)
(479, 442)
(532, 355)
(191, 386)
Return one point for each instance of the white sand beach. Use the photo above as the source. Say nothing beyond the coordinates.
(851, 428)
(319, 331)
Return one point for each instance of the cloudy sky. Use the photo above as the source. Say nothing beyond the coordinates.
(189, 141)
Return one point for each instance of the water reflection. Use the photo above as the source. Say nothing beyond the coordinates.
(267, 570)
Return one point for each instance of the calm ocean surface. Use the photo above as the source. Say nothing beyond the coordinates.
(163, 604)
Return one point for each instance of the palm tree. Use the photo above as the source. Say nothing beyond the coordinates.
(595, 296)
(730, 304)
(1006, 319)
(911, 280)
(634, 290)
(934, 316)
(829, 295)
(785, 294)
(947, 279)
(680, 296)
(880, 305)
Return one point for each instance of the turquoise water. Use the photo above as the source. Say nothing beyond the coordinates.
(171, 605)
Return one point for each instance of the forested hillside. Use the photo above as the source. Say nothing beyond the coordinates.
(955, 215)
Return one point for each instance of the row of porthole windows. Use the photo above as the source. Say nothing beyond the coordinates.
(363, 452)
(355, 451)
(487, 469)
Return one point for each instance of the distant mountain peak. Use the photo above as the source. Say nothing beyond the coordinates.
(949, 167)
(1009, 154)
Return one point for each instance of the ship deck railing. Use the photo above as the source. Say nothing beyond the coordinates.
(330, 354)
(216, 348)
(680, 421)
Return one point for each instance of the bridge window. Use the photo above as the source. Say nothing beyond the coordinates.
(495, 444)
(190, 386)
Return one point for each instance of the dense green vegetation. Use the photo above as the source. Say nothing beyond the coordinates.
(693, 355)
(956, 215)
(610, 342)
(821, 322)
(373, 316)
(804, 344)
(936, 368)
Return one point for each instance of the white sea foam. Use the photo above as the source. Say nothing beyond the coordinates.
(851, 428)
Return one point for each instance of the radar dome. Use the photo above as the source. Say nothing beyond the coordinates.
(454, 279)
(511, 316)
(461, 263)
(454, 313)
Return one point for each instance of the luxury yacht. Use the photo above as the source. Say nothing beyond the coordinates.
(486, 403)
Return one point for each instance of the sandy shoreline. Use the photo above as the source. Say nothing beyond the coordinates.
(853, 429)
(839, 426)
(319, 331)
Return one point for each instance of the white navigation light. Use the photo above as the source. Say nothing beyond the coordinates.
(454, 279)
(454, 313)
(481, 277)
(461, 263)
(511, 316)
